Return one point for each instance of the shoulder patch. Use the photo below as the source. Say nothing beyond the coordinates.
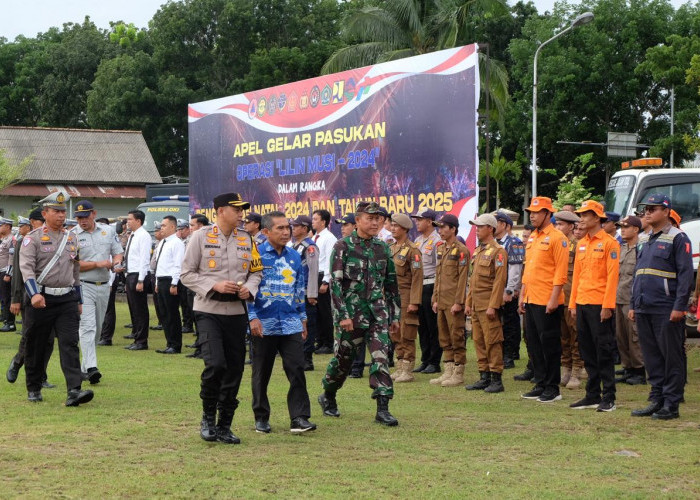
(311, 249)
(613, 255)
(26, 241)
(563, 243)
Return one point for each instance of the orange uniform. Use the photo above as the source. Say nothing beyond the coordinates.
(547, 262)
(596, 271)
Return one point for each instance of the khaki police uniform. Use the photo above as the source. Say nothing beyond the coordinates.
(431, 352)
(486, 286)
(6, 251)
(61, 291)
(409, 274)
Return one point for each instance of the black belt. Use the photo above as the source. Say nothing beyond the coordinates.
(170, 278)
(224, 297)
(95, 282)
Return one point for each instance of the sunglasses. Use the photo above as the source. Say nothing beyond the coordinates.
(650, 209)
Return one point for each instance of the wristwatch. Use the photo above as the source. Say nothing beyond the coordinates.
(509, 292)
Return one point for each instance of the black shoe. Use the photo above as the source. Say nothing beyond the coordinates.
(383, 416)
(420, 368)
(192, 346)
(623, 376)
(300, 424)
(12, 372)
(648, 411)
(508, 364)
(137, 347)
(187, 329)
(666, 413)
(78, 397)
(432, 369)
(130, 336)
(496, 384)
(323, 350)
(263, 426)
(606, 406)
(94, 376)
(328, 404)
(8, 327)
(169, 350)
(355, 374)
(525, 376)
(104, 342)
(636, 380)
(224, 435)
(621, 371)
(34, 396)
(308, 366)
(129, 326)
(549, 397)
(481, 384)
(196, 355)
(585, 403)
(47, 385)
(535, 393)
(157, 327)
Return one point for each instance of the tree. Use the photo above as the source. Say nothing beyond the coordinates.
(12, 173)
(692, 140)
(571, 190)
(499, 169)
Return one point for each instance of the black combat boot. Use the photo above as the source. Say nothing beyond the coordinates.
(383, 415)
(626, 373)
(223, 428)
(208, 429)
(481, 384)
(328, 404)
(496, 384)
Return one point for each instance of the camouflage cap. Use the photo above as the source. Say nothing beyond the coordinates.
(369, 207)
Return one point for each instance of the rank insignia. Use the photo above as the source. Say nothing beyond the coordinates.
(454, 251)
(45, 238)
(404, 252)
(212, 264)
(212, 252)
(245, 266)
(210, 240)
(489, 251)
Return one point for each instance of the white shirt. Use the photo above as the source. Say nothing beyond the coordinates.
(325, 240)
(138, 254)
(169, 255)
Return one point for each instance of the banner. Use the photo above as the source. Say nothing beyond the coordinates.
(402, 133)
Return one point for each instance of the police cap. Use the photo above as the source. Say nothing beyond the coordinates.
(346, 219)
(253, 217)
(56, 200)
(426, 213)
(302, 220)
(83, 209)
(36, 215)
(230, 199)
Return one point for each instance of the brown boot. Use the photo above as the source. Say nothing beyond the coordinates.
(407, 373)
(398, 370)
(457, 378)
(565, 375)
(447, 373)
(574, 382)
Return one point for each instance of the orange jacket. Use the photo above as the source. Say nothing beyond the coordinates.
(596, 271)
(546, 265)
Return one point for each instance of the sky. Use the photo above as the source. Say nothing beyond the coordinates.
(29, 17)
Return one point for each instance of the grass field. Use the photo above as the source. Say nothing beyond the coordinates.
(139, 438)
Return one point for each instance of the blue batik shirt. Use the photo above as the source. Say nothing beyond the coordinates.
(279, 304)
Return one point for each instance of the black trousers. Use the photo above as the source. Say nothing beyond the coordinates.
(18, 359)
(311, 328)
(5, 298)
(110, 321)
(431, 352)
(185, 305)
(663, 352)
(60, 315)
(149, 287)
(596, 342)
(544, 345)
(291, 350)
(222, 340)
(138, 305)
(511, 329)
(170, 309)
(324, 317)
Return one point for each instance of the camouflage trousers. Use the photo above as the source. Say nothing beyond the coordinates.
(345, 346)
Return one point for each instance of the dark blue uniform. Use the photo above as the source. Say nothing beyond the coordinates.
(662, 282)
(509, 312)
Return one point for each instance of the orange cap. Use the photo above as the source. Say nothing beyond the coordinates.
(676, 218)
(539, 203)
(592, 206)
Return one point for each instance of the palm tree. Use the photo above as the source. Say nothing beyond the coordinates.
(499, 168)
(395, 29)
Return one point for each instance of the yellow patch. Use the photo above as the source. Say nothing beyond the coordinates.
(212, 252)
(404, 252)
(430, 242)
(245, 255)
(212, 264)
(215, 229)
(242, 238)
(104, 233)
(453, 252)
(212, 241)
(245, 266)
(212, 235)
(45, 238)
(489, 251)
(72, 249)
(288, 276)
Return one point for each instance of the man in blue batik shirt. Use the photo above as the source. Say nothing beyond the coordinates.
(278, 325)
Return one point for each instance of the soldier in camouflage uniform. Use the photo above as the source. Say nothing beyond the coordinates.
(366, 306)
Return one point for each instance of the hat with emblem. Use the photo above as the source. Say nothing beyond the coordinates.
(426, 213)
(539, 203)
(253, 217)
(346, 219)
(182, 224)
(23, 221)
(514, 216)
(592, 206)
(56, 200)
(567, 216)
(36, 215)
(370, 207)
(485, 220)
(675, 217)
(630, 220)
(657, 199)
(302, 220)
(612, 216)
(402, 220)
(230, 199)
(503, 217)
(83, 209)
(157, 225)
(448, 219)
(4, 220)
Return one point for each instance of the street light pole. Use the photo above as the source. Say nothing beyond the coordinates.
(582, 19)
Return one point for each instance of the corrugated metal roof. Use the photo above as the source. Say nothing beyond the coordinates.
(76, 191)
(81, 156)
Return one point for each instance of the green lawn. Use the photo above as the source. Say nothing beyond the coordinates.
(139, 437)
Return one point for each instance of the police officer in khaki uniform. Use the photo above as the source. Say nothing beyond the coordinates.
(409, 274)
(222, 266)
(448, 300)
(484, 299)
(7, 244)
(49, 264)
